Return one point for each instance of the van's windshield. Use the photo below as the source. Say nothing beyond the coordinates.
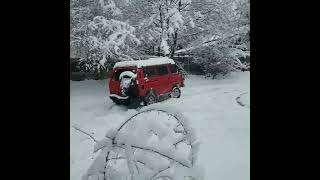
(117, 73)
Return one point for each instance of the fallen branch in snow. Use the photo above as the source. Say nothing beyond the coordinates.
(150, 150)
(135, 163)
(149, 110)
(178, 131)
(146, 149)
(157, 152)
(86, 133)
(119, 158)
(151, 156)
(105, 169)
(178, 118)
(178, 142)
(164, 177)
(156, 174)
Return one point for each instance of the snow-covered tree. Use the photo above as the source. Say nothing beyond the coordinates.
(98, 35)
(220, 36)
(105, 31)
(159, 22)
(110, 39)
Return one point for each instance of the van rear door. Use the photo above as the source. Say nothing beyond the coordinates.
(114, 83)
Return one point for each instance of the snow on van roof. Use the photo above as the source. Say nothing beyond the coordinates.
(143, 63)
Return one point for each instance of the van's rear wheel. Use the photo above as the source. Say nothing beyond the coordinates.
(176, 93)
(150, 98)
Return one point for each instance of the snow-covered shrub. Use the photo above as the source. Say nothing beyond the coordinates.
(98, 36)
(108, 39)
(156, 143)
(216, 61)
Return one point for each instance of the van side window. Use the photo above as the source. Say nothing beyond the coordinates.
(162, 70)
(149, 71)
(173, 68)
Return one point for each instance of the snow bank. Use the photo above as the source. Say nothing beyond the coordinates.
(143, 63)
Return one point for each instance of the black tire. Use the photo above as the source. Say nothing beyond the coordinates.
(150, 99)
(176, 92)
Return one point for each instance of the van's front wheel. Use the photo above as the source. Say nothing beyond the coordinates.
(176, 93)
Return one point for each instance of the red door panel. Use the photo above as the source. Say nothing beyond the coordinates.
(151, 79)
(164, 78)
(114, 87)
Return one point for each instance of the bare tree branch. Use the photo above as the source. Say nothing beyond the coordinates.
(139, 161)
(180, 141)
(154, 151)
(155, 175)
(168, 177)
(86, 133)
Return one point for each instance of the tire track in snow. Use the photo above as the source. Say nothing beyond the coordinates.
(239, 101)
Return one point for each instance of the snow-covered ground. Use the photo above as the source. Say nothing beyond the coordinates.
(218, 110)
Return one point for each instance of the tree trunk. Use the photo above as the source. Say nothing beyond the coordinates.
(159, 50)
(161, 36)
(175, 36)
(173, 48)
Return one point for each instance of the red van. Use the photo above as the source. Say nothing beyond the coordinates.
(145, 80)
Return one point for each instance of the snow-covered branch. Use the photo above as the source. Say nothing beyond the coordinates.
(160, 171)
(84, 132)
(155, 157)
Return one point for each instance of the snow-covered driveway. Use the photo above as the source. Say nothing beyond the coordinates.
(212, 106)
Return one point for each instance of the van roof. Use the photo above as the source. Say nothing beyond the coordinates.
(143, 63)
